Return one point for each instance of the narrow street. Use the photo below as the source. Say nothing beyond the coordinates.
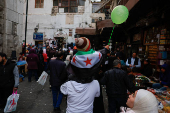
(35, 98)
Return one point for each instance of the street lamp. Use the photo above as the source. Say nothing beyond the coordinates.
(26, 26)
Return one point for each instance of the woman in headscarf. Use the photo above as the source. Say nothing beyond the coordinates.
(142, 101)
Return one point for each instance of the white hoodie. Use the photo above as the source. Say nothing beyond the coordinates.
(80, 96)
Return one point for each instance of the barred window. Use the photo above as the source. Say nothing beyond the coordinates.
(39, 3)
(70, 6)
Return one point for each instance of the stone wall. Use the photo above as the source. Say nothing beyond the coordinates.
(13, 25)
(2, 25)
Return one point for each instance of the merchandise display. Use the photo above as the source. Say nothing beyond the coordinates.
(163, 97)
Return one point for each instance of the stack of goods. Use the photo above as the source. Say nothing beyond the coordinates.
(164, 37)
(152, 90)
(141, 80)
(153, 53)
(163, 98)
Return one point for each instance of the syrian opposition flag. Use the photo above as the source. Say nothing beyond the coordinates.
(87, 59)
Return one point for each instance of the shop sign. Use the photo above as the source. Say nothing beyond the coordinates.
(38, 36)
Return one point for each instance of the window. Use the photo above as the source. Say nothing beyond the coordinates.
(70, 6)
(39, 3)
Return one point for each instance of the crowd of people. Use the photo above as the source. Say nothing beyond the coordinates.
(79, 74)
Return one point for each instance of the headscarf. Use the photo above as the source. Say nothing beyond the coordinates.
(44, 51)
(145, 102)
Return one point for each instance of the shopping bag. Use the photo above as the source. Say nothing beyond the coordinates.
(42, 78)
(11, 104)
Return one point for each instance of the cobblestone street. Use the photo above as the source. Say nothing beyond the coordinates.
(35, 98)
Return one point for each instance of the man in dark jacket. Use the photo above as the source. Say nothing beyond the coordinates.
(41, 62)
(147, 69)
(32, 60)
(9, 78)
(58, 75)
(117, 83)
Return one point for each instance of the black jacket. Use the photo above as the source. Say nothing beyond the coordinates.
(117, 83)
(147, 70)
(58, 73)
(136, 61)
(6, 74)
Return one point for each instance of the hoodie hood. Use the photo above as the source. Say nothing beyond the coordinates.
(165, 66)
(32, 51)
(78, 87)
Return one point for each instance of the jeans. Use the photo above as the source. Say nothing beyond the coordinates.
(159, 86)
(57, 93)
(30, 72)
(115, 103)
(45, 66)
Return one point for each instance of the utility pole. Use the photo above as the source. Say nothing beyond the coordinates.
(26, 26)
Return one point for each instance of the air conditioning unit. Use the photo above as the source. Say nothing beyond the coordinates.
(100, 18)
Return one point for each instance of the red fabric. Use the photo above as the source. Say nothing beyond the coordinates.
(88, 46)
(45, 57)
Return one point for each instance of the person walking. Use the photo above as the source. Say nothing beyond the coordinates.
(32, 60)
(45, 59)
(21, 68)
(117, 83)
(58, 75)
(41, 62)
(9, 78)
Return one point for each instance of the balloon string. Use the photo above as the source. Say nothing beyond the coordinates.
(111, 33)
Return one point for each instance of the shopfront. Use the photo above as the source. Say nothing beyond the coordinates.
(38, 38)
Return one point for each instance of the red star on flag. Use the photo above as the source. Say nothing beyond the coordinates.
(99, 55)
(88, 61)
(74, 60)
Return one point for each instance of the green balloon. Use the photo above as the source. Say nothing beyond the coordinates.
(119, 14)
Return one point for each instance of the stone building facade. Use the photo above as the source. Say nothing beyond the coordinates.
(11, 25)
(52, 15)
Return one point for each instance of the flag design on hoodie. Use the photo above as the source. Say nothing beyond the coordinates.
(86, 59)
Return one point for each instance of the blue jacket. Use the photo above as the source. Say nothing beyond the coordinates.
(165, 77)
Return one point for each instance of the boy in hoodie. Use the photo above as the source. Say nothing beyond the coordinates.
(81, 88)
(164, 78)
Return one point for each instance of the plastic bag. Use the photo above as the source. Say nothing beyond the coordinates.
(21, 63)
(42, 78)
(160, 105)
(11, 104)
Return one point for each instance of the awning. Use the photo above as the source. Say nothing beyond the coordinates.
(86, 31)
(131, 3)
(104, 23)
(108, 22)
